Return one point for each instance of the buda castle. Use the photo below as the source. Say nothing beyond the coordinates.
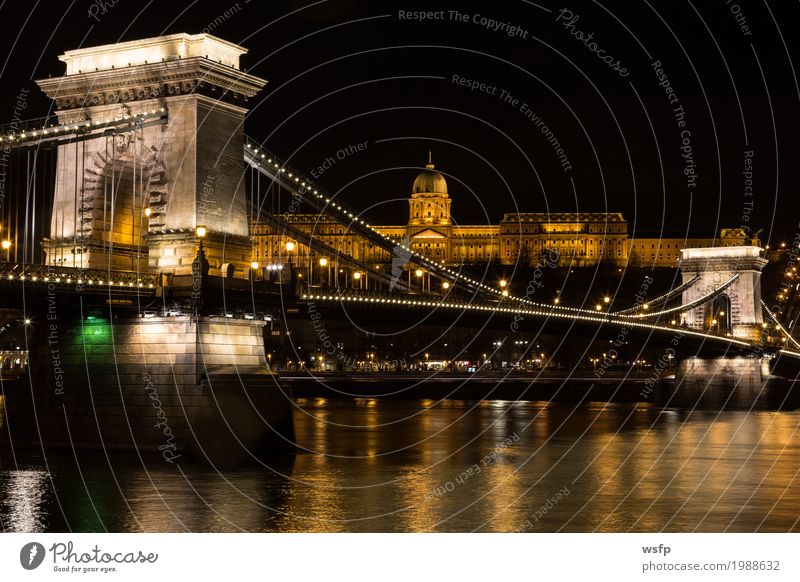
(580, 239)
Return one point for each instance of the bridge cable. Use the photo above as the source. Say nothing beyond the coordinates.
(699, 301)
(661, 298)
(779, 326)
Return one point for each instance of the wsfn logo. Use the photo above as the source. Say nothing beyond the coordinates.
(31, 555)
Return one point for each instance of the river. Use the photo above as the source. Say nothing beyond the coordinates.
(418, 466)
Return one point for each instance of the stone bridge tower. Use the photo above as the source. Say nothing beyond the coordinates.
(737, 310)
(132, 200)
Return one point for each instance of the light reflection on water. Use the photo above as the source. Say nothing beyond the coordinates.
(377, 466)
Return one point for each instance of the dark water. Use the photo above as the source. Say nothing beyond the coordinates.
(405, 466)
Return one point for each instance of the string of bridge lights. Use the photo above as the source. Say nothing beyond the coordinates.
(661, 298)
(55, 130)
(79, 281)
(779, 326)
(549, 312)
(691, 304)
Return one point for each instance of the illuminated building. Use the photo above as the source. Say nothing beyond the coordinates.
(578, 239)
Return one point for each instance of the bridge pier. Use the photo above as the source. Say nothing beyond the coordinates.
(172, 385)
(738, 382)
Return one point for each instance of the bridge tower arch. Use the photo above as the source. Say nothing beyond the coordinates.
(161, 180)
(737, 308)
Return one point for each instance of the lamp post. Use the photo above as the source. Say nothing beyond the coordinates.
(323, 263)
(201, 232)
(357, 277)
(7, 249)
(289, 249)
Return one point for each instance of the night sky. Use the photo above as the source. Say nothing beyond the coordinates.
(344, 72)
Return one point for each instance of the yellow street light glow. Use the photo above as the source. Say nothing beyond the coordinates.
(598, 307)
(323, 262)
(418, 272)
(290, 246)
(254, 265)
(606, 299)
(6, 245)
(201, 231)
(356, 275)
(445, 285)
(505, 293)
(147, 211)
(503, 282)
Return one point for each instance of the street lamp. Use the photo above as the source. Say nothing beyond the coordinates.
(323, 264)
(289, 249)
(606, 299)
(7, 248)
(503, 282)
(598, 307)
(147, 212)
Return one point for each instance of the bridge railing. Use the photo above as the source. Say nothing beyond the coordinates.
(49, 274)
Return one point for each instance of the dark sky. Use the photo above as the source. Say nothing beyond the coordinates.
(346, 72)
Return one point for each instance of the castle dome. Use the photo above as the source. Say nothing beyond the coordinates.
(429, 181)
